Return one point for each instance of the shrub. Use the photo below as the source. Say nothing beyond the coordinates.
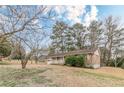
(119, 61)
(75, 61)
(122, 66)
(5, 50)
(71, 60)
(16, 57)
(110, 63)
(80, 61)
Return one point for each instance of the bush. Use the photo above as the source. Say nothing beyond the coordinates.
(110, 63)
(71, 60)
(5, 50)
(5, 47)
(18, 57)
(75, 61)
(119, 62)
(122, 66)
(80, 61)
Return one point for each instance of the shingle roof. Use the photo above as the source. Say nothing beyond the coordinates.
(76, 52)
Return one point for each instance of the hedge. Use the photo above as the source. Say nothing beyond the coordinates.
(77, 61)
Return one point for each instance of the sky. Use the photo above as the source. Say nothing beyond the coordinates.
(85, 14)
(115, 10)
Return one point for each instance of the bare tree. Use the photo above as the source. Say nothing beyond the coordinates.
(113, 31)
(21, 18)
(24, 22)
(28, 46)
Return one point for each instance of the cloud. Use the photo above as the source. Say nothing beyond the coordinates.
(87, 19)
(71, 13)
(91, 15)
(59, 9)
(75, 12)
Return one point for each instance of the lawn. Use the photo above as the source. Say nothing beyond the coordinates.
(28, 77)
(42, 75)
(4, 63)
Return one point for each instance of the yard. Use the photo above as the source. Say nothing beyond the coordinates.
(42, 75)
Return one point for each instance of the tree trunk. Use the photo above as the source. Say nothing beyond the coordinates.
(31, 61)
(36, 60)
(115, 64)
(110, 50)
(0, 58)
(24, 63)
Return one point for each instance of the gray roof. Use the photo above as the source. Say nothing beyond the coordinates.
(76, 52)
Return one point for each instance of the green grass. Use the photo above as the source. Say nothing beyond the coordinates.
(11, 77)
